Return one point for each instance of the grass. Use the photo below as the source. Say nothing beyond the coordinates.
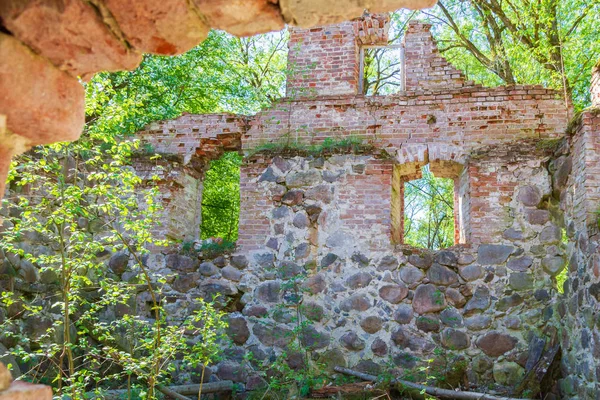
(343, 145)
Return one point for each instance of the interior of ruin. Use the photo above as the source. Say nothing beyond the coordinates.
(322, 199)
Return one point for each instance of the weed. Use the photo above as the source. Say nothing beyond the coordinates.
(548, 144)
(337, 145)
(215, 249)
(284, 379)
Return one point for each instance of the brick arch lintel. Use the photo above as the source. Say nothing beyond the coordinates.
(446, 161)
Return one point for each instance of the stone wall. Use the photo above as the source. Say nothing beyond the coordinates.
(483, 312)
(332, 222)
(180, 194)
(577, 191)
(186, 145)
(425, 124)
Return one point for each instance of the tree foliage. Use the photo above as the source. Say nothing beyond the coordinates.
(223, 74)
(503, 42)
(221, 198)
(548, 42)
(75, 202)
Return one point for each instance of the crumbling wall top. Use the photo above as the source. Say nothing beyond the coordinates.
(425, 68)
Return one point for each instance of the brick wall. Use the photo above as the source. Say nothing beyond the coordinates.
(462, 208)
(426, 69)
(496, 175)
(582, 200)
(466, 117)
(440, 117)
(187, 143)
(322, 60)
(325, 60)
(589, 133)
(491, 193)
(255, 207)
(365, 203)
(180, 192)
(204, 135)
(438, 105)
(576, 180)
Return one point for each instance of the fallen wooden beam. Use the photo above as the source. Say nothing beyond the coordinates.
(213, 387)
(173, 391)
(430, 390)
(347, 389)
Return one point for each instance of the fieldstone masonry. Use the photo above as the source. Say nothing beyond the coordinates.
(526, 199)
(322, 232)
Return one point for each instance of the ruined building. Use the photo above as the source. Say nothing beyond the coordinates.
(326, 230)
(526, 195)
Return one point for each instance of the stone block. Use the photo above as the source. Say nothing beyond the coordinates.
(454, 339)
(428, 298)
(54, 100)
(495, 344)
(70, 34)
(359, 280)
(371, 324)
(20, 390)
(393, 293)
(166, 27)
(493, 254)
(351, 341)
(440, 275)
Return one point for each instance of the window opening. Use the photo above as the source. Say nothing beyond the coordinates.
(429, 217)
(381, 70)
(562, 276)
(221, 199)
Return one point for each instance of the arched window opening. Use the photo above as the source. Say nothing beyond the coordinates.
(430, 204)
(221, 198)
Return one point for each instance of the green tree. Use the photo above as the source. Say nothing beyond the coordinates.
(548, 42)
(223, 74)
(498, 42)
